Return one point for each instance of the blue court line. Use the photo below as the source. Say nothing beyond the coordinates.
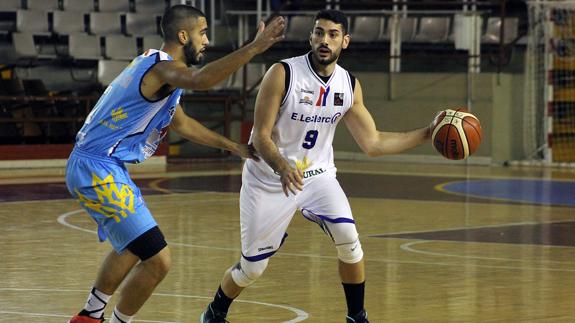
(544, 192)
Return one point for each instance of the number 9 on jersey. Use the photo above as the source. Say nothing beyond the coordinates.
(310, 139)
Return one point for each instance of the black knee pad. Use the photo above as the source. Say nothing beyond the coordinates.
(148, 244)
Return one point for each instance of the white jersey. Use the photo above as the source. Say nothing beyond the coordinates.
(308, 117)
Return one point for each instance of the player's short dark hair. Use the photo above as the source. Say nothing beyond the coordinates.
(334, 15)
(175, 17)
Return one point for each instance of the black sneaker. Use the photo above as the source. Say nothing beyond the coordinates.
(360, 317)
(211, 316)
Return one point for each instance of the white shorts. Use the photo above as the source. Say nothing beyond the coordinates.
(265, 211)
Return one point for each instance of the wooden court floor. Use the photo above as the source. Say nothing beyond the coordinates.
(443, 243)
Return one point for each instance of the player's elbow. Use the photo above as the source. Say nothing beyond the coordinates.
(372, 152)
(370, 148)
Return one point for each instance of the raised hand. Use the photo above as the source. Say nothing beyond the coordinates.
(269, 35)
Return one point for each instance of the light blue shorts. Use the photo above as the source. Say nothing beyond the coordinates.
(104, 189)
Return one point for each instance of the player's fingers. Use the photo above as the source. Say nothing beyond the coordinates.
(284, 188)
(297, 182)
(299, 177)
(291, 188)
(278, 38)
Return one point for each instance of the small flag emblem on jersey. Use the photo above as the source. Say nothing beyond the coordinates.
(338, 99)
(323, 93)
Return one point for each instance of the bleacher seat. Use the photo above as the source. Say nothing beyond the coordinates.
(366, 28)
(432, 29)
(299, 28)
(492, 36)
(407, 25)
(84, 46)
(32, 20)
(120, 47)
(10, 5)
(140, 24)
(152, 42)
(108, 70)
(105, 23)
(68, 22)
(78, 5)
(24, 45)
(150, 6)
(122, 6)
(46, 5)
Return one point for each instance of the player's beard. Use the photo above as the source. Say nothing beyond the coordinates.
(193, 57)
(326, 61)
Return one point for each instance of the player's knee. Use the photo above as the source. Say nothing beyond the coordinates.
(246, 272)
(350, 253)
(153, 251)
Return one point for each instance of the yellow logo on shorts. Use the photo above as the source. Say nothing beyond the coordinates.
(112, 201)
(304, 164)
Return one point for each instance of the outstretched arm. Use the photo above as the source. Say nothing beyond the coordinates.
(376, 143)
(194, 131)
(267, 107)
(177, 74)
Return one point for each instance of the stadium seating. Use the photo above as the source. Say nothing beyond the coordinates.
(140, 24)
(109, 69)
(150, 6)
(408, 28)
(492, 32)
(299, 28)
(105, 23)
(45, 5)
(366, 28)
(113, 5)
(432, 29)
(24, 46)
(84, 46)
(32, 21)
(68, 22)
(120, 47)
(10, 5)
(78, 5)
(151, 42)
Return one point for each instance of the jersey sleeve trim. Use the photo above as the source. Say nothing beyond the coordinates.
(351, 80)
(287, 81)
(157, 60)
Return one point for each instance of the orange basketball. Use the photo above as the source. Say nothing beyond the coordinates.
(457, 134)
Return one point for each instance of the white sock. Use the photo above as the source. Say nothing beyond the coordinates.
(118, 317)
(96, 303)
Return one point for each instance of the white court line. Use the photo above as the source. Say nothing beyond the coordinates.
(407, 247)
(300, 314)
(62, 220)
(67, 316)
(464, 228)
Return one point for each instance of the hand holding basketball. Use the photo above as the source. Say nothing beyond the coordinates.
(457, 133)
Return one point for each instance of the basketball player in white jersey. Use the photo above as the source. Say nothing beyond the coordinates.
(300, 103)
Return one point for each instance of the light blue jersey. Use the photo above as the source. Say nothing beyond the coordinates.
(124, 124)
(123, 127)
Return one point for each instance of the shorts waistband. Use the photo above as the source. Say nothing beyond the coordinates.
(82, 153)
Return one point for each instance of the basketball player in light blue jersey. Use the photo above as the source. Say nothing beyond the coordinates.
(126, 126)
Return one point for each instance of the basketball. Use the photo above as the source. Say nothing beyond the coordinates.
(457, 134)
